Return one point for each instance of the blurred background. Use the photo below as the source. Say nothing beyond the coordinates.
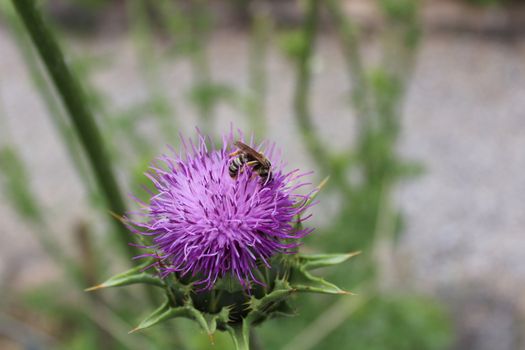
(413, 108)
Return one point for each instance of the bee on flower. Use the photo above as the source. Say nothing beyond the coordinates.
(205, 222)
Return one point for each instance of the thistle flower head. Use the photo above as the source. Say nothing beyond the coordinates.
(205, 224)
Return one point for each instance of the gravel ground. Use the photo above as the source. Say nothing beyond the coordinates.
(464, 120)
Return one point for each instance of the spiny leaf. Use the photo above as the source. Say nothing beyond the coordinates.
(311, 262)
(323, 288)
(166, 312)
(263, 308)
(198, 316)
(316, 191)
(283, 309)
(225, 315)
(303, 281)
(282, 290)
(132, 276)
(163, 313)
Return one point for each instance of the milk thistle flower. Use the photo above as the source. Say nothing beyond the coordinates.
(204, 224)
(206, 227)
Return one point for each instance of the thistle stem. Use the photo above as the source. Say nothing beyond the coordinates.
(78, 110)
(241, 337)
(349, 37)
(303, 85)
(143, 34)
(55, 111)
(324, 158)
(255, 342)
(257, 80)
(200, 64)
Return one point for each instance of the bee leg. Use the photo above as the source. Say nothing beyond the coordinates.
(252, 163)
(266, 181)
(233, 154)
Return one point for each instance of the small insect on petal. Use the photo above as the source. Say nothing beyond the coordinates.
(217, 212)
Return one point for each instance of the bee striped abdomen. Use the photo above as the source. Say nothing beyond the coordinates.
(236, 165)
(247, 156)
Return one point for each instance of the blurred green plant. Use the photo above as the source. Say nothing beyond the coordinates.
(363, 177)
(78, 110)
(83, 121)
(15, 183)
(226, 307)
(378, 322)
(488, 2)
(55, 110)
(367, 216)
(260, 32)
(142, 31)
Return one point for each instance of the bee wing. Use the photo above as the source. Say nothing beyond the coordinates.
(250, 151)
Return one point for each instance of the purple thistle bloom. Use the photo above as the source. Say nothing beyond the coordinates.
(207, 224)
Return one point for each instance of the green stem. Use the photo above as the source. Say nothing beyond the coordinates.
(303, 85)
(78, 111)
(55, 110)
(257, 72)
(144, 37)
(255, 343)
(315, 146)
(241, 337)
(348, 34)
(399, 55)
(190, 24)
(199, 61)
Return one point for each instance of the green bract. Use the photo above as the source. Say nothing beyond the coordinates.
(228, 307)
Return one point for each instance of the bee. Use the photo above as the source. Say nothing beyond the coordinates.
(245, 155)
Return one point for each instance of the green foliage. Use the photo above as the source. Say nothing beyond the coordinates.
(135, 275)
(206, 95)
(16, 184)
(386, 91)
(62, 315)
(381, 322)
(91, 4)
(404, 15)
(395, 322)
(370, 321)
(232, 309)
(293, 43)
(488, 2)
(400, 10)
(311, 262)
